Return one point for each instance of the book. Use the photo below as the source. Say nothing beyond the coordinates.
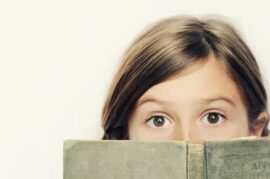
(246, 158)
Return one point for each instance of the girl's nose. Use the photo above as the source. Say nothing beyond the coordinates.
(186, 133)
(186, 137)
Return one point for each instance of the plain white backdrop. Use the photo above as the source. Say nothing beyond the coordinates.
(57, 59)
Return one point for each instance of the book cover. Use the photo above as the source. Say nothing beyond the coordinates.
(117, 159)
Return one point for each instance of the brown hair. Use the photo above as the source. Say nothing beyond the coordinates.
(168, 47)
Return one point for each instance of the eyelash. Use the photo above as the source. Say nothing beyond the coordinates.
(218, 123)
(156, 115)
(212, 112)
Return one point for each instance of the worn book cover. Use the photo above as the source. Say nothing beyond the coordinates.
(247, 158)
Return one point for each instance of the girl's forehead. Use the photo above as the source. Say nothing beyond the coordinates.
(208, 80)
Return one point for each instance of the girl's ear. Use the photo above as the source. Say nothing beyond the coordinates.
(257, 126)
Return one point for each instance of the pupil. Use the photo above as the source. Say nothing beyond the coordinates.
(213, 118)
(158, 121)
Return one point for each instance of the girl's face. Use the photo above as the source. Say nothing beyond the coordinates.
(203, 104)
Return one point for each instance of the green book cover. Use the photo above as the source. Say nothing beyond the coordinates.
(127, 159)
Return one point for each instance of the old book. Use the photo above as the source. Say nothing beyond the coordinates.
(126, 159)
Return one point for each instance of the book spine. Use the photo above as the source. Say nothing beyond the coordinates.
(196, 162)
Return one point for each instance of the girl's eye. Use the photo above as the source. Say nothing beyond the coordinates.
(213, 118)
(157, 121)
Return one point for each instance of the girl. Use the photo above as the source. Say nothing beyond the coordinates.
(186, 79)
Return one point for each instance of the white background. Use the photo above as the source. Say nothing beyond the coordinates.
(57, 59)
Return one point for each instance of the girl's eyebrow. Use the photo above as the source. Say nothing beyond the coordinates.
(219, 98)
(202, 100)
